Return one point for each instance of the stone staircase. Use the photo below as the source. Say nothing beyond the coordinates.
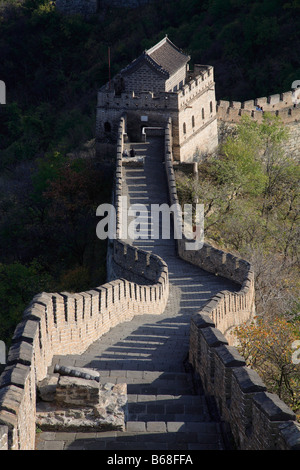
(167, 409)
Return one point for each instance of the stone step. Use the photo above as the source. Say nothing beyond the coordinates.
(177, 436)
(167, 408)
(152, 383)
(197, 427)
(155, 435)
(162, 387)
(160, 435)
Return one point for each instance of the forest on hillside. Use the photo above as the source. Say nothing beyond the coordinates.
(50, 181)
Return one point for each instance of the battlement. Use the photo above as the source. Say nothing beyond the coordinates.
(142, 101)
(227, 309)
(65, 323)
(258, 420)
(197, 82)
(281, 105)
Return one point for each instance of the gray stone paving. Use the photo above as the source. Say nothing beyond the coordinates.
(165, 409)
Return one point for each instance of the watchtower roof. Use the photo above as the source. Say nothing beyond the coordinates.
(168, 56)
(164, 57)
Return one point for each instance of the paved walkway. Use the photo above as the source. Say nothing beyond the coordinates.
(166, 409)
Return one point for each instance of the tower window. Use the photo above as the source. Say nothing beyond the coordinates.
(203, 113)
(211, 107)
(107, 127)
(193, 121)
(184, 128)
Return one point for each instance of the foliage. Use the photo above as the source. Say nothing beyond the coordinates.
(76, 279)
(18, 284)
(250, 191)
(268, 348)
(47, 232)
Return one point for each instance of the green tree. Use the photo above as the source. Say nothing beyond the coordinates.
(18, 284)
(268, 348)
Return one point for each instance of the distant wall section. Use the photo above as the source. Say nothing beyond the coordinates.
(229, 114)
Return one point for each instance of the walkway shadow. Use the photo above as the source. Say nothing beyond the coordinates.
(186, 437)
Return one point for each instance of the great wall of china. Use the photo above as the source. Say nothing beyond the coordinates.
(282, 105)
(64, 323)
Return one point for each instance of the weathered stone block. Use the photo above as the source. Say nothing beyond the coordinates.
(248, 380)
(47, 388)
(14, 375)
(213, 337)
(20, 352)
(274, 408)
(230, 356)
(77, 391)
(108, 413)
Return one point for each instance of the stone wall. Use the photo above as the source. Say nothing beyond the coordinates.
(65, 323)
(201, 141)
(227, 309)
(192, 110)
(256, 419)
(144, 79)
(60, 324)
(197, 118)
(229, 114)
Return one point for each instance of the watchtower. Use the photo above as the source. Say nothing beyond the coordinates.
(156, 86)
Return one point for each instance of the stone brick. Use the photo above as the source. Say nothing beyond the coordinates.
(77, 391)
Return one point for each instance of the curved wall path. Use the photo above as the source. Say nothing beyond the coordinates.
(166, 409)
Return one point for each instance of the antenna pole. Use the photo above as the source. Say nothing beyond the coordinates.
(109, 65)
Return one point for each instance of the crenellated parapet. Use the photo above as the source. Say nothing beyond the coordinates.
(3, 438)
(227, 309)
(284, 105)
(190, 104)
(198, 82)
(63, 323)
(281, 105)
(256, 419)
(141, 101)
